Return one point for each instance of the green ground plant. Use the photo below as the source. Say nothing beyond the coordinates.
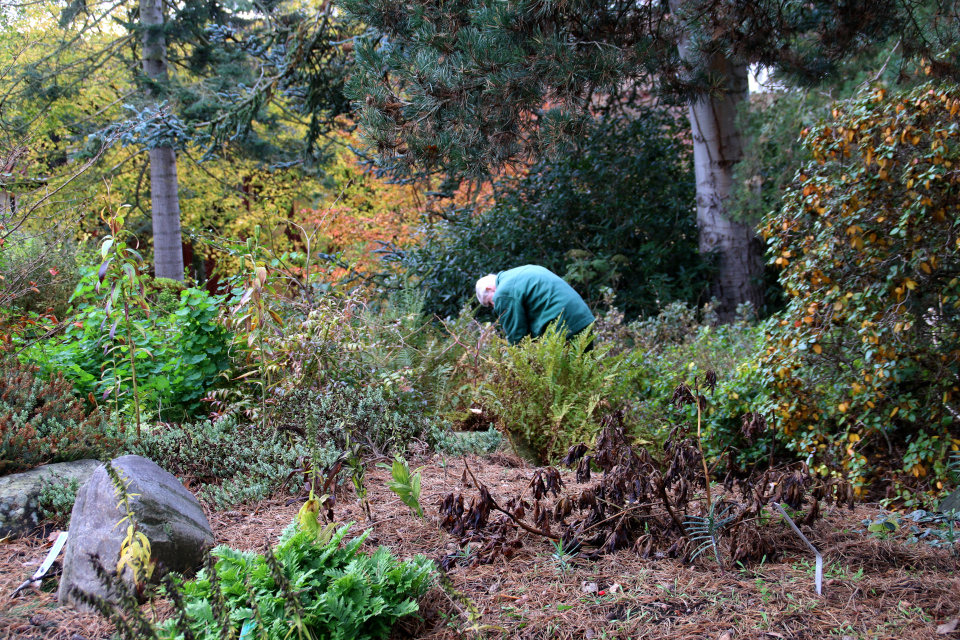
(548, 394)
(226, 463)
(41, 421)
(321, 589)
(405, 483)
(457, 444)
(55, 501)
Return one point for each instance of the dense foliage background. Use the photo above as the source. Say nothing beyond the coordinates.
(326, 308)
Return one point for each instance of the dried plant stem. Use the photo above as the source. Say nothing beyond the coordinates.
(517, 522)
(666, 503)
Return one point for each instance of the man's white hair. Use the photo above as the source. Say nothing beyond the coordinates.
(489, 280)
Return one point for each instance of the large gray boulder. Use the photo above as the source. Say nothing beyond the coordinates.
(19, 493)
(165, 511)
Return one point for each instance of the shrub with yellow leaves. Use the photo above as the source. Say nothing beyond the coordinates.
(865, 358)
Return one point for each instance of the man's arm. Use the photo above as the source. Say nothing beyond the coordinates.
(513, 319)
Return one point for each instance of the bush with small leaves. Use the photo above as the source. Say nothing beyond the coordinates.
(865, 359)
(41, 421)
(379, 423)
(229, 463)
(449, 443)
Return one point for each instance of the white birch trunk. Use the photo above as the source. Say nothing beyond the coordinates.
(164, 194)
(717, 147)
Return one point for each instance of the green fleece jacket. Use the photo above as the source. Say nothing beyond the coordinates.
(529, 298)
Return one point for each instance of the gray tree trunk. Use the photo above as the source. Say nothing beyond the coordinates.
(164, 194)
(717, 147)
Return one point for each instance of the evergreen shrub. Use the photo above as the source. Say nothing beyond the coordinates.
(865, 359)
(458, 444)
(367, 416)
(226, 463)
(617, 213)
(41, 421)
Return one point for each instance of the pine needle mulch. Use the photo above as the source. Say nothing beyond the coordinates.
(872, 588)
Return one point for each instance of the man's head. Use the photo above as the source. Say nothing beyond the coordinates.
(486, 287)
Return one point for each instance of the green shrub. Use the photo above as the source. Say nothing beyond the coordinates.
(457, 444)
(866, 356)
(307, 588)
(381, 424)
(228, 463)
(679, 345)
(55, 501)
(618, 213)
(180, 354)
(41, 421)
(548, 394)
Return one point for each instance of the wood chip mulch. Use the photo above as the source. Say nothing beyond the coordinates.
(873, 588)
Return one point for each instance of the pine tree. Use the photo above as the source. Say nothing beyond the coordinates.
(474, 85)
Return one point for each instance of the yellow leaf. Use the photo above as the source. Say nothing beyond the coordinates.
(894, 412)
(853, 437)
(910, 284)
(842, 407)
(925, 267)
(817, 349)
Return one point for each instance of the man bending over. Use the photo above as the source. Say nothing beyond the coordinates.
(529, 298)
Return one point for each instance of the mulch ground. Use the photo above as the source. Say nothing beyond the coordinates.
(872, 588)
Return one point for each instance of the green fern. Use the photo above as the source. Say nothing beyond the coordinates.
(546, 392)
(305, 588)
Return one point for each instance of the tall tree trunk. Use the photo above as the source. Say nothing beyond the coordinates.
(717, 147)
(164, 194)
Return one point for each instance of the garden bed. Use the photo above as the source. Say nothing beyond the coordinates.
(873, 588)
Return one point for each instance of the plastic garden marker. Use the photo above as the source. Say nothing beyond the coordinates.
(819, 574)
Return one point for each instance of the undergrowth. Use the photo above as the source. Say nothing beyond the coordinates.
(548, 394)
(224, 463)
(304, 588)
(55, 500)
(42, 422)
